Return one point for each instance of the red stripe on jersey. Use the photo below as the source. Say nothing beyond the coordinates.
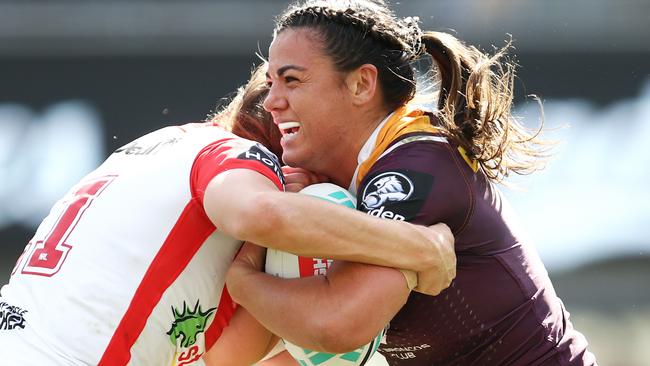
(221, 156)
(225, 311)
(182, 243)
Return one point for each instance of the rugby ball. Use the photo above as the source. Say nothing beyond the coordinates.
(287, 265)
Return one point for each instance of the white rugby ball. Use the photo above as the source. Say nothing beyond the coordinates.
(287, 265)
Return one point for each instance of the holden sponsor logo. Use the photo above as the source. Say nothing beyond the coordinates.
(385, 188)
(11, 317)
(261, 154)
(381, 212)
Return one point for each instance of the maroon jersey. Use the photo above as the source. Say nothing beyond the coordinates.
(501, 309)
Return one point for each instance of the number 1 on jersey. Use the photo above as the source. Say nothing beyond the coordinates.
(49, 253)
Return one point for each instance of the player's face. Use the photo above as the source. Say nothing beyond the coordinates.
(309, 102)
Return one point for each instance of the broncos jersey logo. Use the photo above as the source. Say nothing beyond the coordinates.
(387, 187)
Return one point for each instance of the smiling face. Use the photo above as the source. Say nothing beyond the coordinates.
(312, 104)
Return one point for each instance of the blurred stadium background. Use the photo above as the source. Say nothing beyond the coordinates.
(80, 78)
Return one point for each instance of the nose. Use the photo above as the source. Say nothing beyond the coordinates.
(274, 100)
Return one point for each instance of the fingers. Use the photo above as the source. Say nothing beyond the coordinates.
(442, 272)
(297, 178)
(251, 256)
(248, 262)
(433, 282)
(289, 169)
(443, 231)
(444, 239)
(429, 283)
(294, 187)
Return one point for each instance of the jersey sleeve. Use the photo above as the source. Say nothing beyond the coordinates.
(234, 153)
(420, 182)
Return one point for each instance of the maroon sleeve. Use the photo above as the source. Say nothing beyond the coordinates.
(421, 182)
(234, 153)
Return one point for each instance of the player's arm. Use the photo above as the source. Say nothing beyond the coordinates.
(248, 206)
(358, 299)
(335, 313)
(243, 342)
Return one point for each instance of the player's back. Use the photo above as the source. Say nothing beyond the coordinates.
(126, 267)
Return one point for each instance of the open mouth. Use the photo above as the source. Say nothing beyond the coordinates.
(289, 128)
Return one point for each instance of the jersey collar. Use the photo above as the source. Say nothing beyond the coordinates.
(367, 149)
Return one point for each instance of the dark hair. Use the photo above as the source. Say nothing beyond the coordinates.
(245, 117)
(374, 34)
(475, 90)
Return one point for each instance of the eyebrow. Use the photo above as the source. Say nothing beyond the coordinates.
(286, 68)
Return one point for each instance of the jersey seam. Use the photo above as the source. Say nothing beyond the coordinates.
(522, 290)
(470, 209)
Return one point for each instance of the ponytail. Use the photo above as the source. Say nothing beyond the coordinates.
(474, 105)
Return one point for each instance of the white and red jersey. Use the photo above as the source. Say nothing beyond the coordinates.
(127, 268)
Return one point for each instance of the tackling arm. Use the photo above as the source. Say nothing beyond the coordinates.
(248, 206)
(336, 313)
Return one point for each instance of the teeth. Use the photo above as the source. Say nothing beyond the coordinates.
(288, 125)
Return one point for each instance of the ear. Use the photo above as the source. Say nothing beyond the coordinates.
(363, 84)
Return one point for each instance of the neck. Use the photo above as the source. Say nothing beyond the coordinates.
(343, 175)
(340, 164)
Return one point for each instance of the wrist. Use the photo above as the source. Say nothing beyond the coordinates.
(428, 248)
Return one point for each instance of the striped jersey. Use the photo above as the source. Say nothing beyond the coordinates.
(127, 269)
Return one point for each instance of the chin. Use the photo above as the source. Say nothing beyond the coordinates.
(296, 160)
(290, 159)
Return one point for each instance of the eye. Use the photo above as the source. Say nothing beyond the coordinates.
(290, 79)
(269, 83)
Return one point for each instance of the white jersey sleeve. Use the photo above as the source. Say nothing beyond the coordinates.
(127, 269)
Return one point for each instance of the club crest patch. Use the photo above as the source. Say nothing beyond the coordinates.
(188, 325)
(386, 187)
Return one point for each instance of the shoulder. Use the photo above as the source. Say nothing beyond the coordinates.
(235, 150)
(233, 153)
(418, 179)
(414, 149)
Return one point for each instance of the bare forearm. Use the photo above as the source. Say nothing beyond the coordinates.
(314, 312)
(306, 226)
(273, 303)
(247, 206)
